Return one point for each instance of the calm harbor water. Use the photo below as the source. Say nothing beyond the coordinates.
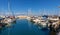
(23, 27)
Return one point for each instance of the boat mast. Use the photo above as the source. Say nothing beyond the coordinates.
(9, 8)
(29, 12)
(59, 10)
(11, 13)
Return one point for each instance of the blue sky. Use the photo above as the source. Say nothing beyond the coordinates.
(37, 6)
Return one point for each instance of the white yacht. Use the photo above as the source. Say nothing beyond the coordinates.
(43, 23)
(40, 21)
(36, 20)
(7, 20)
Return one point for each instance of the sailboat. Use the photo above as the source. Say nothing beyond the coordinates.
(9, 18)
(13, 16)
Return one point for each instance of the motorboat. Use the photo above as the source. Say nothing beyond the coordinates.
(7, 20)
(43, 23)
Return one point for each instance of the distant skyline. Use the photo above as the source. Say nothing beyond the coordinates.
(37, 7)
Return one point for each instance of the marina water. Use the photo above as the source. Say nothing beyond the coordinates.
(23, 27)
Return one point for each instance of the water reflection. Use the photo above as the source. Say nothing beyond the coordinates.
(2, 29)
(51, 31)
(6, 27)
(23, 27)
